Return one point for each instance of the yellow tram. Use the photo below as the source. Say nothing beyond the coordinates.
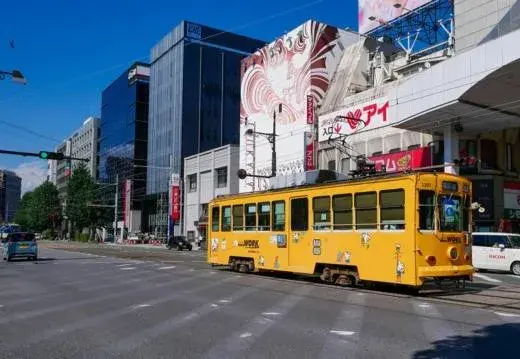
(404, 228)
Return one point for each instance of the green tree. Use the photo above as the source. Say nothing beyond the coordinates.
(40, 209)
(23, 217)
(81, 191)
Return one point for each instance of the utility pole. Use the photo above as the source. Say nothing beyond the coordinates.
(115, 209)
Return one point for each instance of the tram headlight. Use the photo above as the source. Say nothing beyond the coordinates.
(453, 254)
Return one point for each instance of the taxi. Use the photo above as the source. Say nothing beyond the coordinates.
(20, 244)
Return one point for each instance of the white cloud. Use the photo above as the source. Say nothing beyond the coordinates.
(32, 174)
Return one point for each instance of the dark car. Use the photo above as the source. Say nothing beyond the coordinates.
(180, 243)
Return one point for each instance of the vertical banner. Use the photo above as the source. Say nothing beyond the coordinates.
(176, 198)
(310, 110)
(309, 164)
(126, 202)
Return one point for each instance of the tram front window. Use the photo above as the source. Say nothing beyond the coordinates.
(450, 213)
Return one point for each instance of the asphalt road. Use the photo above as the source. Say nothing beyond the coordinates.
(77, 305)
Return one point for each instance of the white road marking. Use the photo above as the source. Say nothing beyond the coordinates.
(509, 315)
(124, 265)
(485, 277)
(170, 267)
(224, 301)
(350, 320)
(127, 268)
(342, 332)
(270, 313)
(424, 305)
(514, 276)
(233, 345)
(213, 305)
(142, 306)
(245, 335)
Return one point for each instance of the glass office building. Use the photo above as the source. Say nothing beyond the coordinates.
(194, 103)
(123, 143)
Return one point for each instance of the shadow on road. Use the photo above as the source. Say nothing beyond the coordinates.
(494, 341)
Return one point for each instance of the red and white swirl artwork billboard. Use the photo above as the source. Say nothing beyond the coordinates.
(374, 13)
(295, 71)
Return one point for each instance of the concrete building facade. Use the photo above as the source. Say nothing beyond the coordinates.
(206, 176)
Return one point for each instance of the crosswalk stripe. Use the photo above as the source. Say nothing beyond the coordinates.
(104, 316)
(241, 340)
(132, 342)
(41, 311)
(344, 335)
(485, 277)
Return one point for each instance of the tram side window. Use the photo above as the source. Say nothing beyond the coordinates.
(321, 209)
(264, 216)
(250, 217)
(342, 207)
(215, 219)
(392, 209)
(238, 217)
(366, 210)
(427, 210)
(226, 219)
(299, 214)
(279, 216)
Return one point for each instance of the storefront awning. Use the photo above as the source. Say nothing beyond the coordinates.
(477, 89)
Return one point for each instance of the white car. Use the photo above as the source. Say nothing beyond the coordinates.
(496, 251)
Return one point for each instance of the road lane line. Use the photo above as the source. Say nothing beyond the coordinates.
(237, 343)
(344, 335)
(485, 277)
(169, 267)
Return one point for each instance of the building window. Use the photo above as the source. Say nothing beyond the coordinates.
(221, 177)
(250, 217)
(192, 183)
(392, 209)
(331, 165)
(264, 216)
(321, 209)
(366, 210)
(342, 207)
(279, 216)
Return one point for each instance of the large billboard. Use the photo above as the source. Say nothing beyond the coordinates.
(374, 13)
(294, 71)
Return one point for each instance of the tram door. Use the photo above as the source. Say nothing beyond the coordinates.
(300, 246)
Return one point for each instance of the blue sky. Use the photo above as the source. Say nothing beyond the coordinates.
(71, 50)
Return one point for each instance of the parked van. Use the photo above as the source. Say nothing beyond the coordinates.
(496, 251)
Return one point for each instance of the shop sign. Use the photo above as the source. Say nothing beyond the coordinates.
(369, 115)
(399, 161)
(309, 151)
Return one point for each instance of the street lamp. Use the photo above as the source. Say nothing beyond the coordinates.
(271, 137)
(16, 76)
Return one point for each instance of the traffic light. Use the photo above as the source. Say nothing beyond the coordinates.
(45, 155)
